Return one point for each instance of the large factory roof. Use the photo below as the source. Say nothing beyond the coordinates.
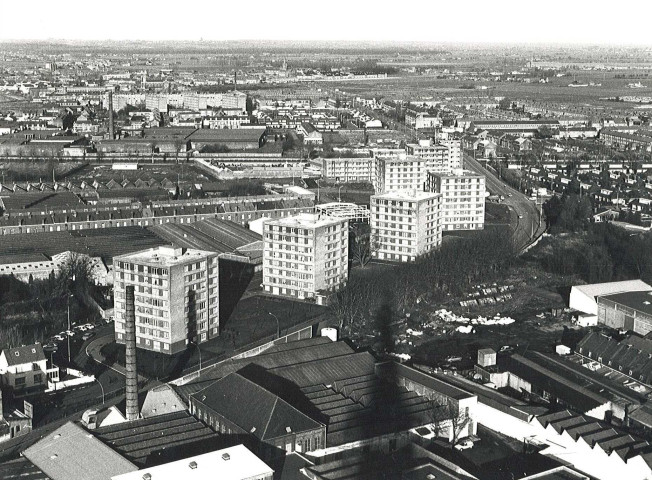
(70, 452)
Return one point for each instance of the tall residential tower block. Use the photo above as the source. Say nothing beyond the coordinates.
(176, 297)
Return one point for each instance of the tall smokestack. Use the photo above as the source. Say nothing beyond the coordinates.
(111, 127)
(130, 356)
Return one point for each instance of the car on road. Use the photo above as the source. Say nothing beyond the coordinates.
(464, 445)
(520, 215)
(509, 194)
(88, 335)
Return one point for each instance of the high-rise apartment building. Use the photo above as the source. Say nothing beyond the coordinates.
(454, 146)
(402, 172)
(405, 224)
(347, 169)
(305, 255)
(436, 158)
(176, 297)
(463, 198)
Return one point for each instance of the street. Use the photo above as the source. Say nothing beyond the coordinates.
(524, 213)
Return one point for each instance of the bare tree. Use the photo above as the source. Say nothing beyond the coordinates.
(446, 422)
(364, 244)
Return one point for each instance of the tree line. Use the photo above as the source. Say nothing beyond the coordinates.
(378, 296)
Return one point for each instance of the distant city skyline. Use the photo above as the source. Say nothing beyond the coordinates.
(473, 21)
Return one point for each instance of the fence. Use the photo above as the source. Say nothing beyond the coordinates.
(268, 342)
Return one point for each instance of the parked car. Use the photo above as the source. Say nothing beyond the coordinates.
(50, 347)
(464, 445)
(59, 338)
(88, 335)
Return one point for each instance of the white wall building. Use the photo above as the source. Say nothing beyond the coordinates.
(23, 368)
(463, 196)
(399, 173)
(176, 297)
(583, 297)
(305, 255)
(348, 169)
(437, 157)
(233, 463)
(405, 224)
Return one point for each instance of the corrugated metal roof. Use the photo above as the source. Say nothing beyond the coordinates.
(71, 452)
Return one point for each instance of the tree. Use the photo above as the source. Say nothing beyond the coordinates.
(446, 422)
(505, 104)
(153, 146)
(179, 145)
(363, 246)
(544, 131)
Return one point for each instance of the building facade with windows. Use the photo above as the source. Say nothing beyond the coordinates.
(463, 195)
(305, 255)
(348, 169)
(436, 158)
(24, 369)
(176, 297)
(405, 224)
(402, 172)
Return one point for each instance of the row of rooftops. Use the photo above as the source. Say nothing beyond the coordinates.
(632, 354)
(83, 186)
(85, 214)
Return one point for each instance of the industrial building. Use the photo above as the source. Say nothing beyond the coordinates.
(631, 356)
(463, 197)
(233, 463)
(306, 255)
(231, 138)
(405, 224)
(177, 297)
(583, 298)
(627, 311)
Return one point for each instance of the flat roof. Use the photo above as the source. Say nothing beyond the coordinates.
(608, 288)
(307, 220)
(410, 195)
(226, 134)
(641, 301)
(234, 463)
(166, 256)
(71, 452)
(457, 173)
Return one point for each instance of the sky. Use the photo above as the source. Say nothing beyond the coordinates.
(468, 21)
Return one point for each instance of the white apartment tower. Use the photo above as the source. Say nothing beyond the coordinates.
(402, 172)
(176, 297)
(454, 151)
(435, 157)
(305, 255)
(463, 198)
(405, 224)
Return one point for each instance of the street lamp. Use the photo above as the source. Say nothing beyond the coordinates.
(68, 332)
(199, 350)
(278, 325)
(102, 387)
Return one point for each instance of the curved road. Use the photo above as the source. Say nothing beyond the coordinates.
(525, 215)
